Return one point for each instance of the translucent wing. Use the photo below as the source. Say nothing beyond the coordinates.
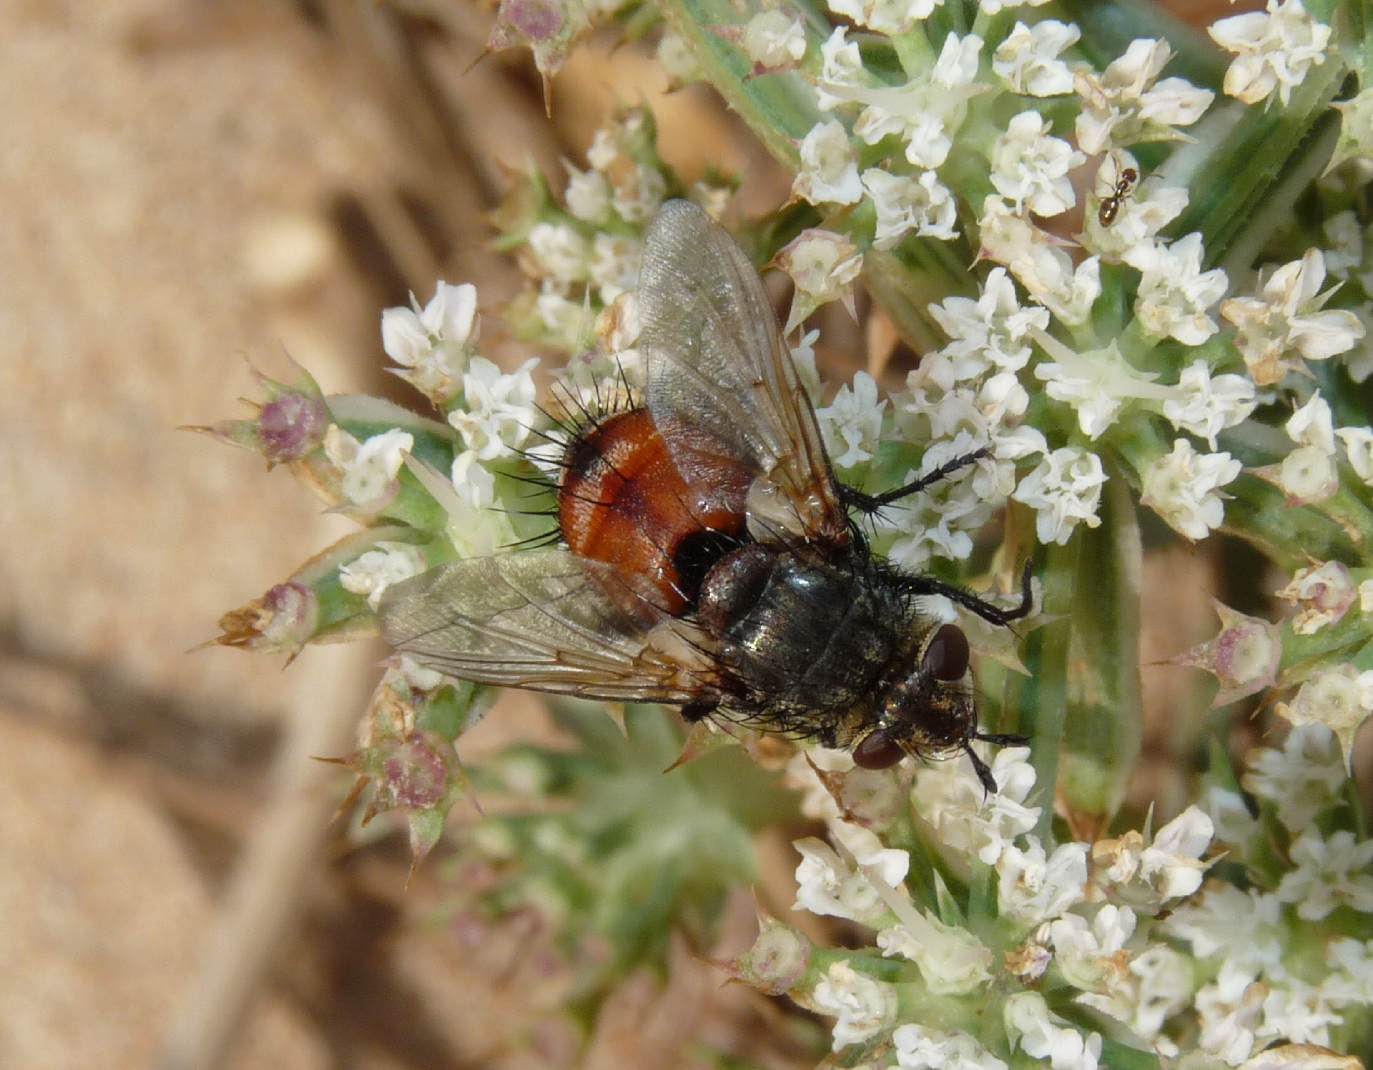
(720, 381)
(546, 620)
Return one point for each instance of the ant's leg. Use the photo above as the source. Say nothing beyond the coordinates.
(870, 503)
(984, 609)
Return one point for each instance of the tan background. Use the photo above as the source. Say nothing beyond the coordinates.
(185, 184)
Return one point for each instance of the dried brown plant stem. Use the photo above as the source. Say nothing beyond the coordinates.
(265, 893)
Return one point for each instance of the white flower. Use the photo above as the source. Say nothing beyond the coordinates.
(1298, 1012)
(1122, 105)
(1340, 698)
(829, 169)
(568, 321)
(1235, 826)
(1311, 425)
(827, 885)
(1351, 980)
(823, 265)
(587, 194)
(1244, 928)
(499, 409)
(1034, 257)
(1324, 594)
(1032, 889)
(952, 961)
(677, 60)
(561, 252)
(1346, 251)
(1302, 779)
(1097, 384)
(1156, 985)
(1308, 474)
(991, 331)
(908, 203)
(1358, 448)
(841, 70)
(1169, 868)
(937, 522)
(1205, 406)
(636, 192)
(1273, 50)
(1229, 1012)
(966, 818)
(377, 569)
(918, 1048)
(925, 113)
(368, 469)
(416, 675)
(614, 264)
(803, 356)
(1027, 60)
(1328, 873)
(1030, 167)
(1064, 490)
(1181, 487)
(433, 343)
(864, 1007)
(885, 16)
(1174, 292)
(774, 39)
(1089, 952)
(618, 326)
(1043, 1035)
(1285, 322)
(473, 482)
(1145, 210)
(853, 422)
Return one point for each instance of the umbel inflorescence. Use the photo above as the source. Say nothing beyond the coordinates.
(1134, 264)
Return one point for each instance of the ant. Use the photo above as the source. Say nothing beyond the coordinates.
(1110, 206)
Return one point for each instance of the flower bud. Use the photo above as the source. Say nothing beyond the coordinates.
(1322, 594)
(777, 960)
(290, 423)
(1244, 656)
(282, 620)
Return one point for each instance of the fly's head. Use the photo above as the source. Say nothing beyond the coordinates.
(925, 707)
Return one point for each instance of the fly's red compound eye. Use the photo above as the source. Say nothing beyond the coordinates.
(946, 658)
(877, 751)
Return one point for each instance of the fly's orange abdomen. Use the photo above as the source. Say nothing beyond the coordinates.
(623, 501)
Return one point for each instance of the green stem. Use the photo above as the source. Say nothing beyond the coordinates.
(1104, 715)
(1042, 696)
(1276, 210)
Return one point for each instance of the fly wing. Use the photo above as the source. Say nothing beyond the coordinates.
(722, 384)
(549, 621)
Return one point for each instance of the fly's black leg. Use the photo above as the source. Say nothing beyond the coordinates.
(1002, 739)
(870, 503)
(984, 773)
(984, 609)
(699, 710)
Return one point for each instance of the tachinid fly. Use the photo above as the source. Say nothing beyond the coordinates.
(707, 556)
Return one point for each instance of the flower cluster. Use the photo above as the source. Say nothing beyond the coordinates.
(1111, 304)
(1140, 929)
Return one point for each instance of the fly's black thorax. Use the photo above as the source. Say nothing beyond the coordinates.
(803, 636)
